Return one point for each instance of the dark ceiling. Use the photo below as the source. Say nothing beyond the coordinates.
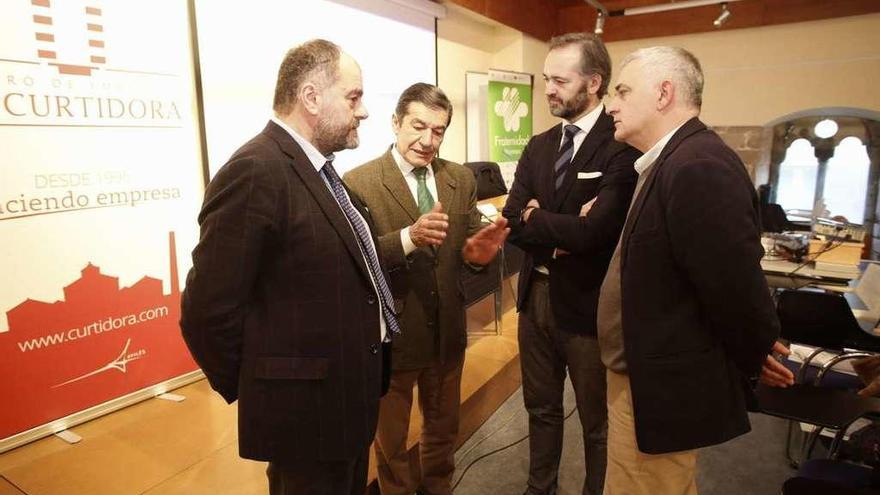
(545, 18)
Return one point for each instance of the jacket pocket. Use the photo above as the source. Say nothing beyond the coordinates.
(292, 368)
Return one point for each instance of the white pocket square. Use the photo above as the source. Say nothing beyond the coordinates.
(589, 175)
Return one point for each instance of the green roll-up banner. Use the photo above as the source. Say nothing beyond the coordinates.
(510, 114)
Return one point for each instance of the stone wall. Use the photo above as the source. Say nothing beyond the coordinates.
(752, 144)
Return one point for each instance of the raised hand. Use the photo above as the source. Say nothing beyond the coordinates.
(430, 228)
(482, 247)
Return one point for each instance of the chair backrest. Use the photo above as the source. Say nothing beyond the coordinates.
(815, 318)
(490, 183)
(821, 320)
(773, 218)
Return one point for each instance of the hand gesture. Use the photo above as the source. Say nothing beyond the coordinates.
(482, 247)
(430, 228)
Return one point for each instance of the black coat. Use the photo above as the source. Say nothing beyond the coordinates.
(697, 316)
(279, 309)
(606, 169)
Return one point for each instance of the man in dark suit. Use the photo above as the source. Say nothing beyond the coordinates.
(685, 315)
(286, 307)
(560, 172)
(425, 209)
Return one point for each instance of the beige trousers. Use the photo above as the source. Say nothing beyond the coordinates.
(631, 472)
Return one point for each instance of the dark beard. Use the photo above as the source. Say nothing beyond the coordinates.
(575, 106)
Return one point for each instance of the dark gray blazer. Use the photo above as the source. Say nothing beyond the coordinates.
(279, 309)
(698, 320)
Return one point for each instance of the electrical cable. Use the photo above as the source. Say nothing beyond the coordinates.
(513, 416)
(829, 245)
(500, 449)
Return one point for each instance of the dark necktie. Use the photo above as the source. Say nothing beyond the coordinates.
(366, 245)
(565, 153)
(426, 201)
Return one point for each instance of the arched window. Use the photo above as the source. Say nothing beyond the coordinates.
(846, 180)
(797, 177)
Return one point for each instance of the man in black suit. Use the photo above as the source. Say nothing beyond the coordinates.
(685, 315)
(560, 171)
(286, 309)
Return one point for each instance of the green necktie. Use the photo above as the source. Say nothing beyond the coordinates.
(426, 201)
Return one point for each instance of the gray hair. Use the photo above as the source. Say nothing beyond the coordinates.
(674, 64)
(315, 58)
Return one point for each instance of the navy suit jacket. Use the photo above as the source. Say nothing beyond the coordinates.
(601, 168)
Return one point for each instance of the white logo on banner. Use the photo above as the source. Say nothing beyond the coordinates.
(119, 364)
(511, 109)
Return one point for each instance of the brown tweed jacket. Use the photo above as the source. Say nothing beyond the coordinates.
(427, 283)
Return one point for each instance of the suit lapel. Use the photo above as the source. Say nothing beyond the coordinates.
(394, 182)
(690, 127)
(446, 184)
(446, 187)
(318, 188)
(584, 157)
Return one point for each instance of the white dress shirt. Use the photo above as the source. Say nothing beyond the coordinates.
(644, 162)
(585, 124)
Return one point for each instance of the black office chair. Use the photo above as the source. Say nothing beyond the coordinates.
(773, 218)
(822, 320)
(826, 322)
(490, 183)
(825, 476)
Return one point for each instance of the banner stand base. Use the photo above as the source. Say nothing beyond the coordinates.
(68, 436)
(171, 397)
(62, 424)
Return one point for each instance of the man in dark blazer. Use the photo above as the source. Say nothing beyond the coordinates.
(286, 308)
(561, 171)
(425, 209)
(685, 315)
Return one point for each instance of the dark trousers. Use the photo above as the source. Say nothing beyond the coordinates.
(546, 353)
(430, 471)
(346, 477)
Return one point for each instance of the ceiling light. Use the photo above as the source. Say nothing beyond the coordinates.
(601, 14)
(825, 129)
(723, 16)
(663, 7)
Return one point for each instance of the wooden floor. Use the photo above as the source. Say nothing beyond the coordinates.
(162, 447)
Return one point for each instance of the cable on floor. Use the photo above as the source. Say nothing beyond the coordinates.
(500, 449)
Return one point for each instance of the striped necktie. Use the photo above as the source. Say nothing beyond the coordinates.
(565, 153)
(426, 201)
(366, 245)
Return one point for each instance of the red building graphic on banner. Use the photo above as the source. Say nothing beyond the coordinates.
(99, 343)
